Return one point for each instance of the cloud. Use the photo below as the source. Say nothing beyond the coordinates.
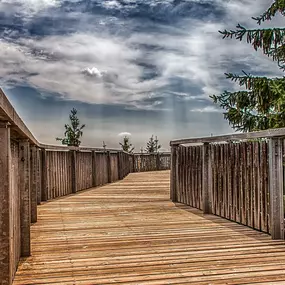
(119, 63)
(207, 109)
(124, 134)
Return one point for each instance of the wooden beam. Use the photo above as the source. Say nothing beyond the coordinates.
(94, 169)
(39, 181)
(133, 163)
(173, 173)
(206, 182)
(224, 138)
(5, 186)
(25, 194)
(44, 174)
(119, 159)
(109, 167)
(276, 188)
(80, 148)
(9, 114)
(73, 171)
(33, 183)
(157, 161)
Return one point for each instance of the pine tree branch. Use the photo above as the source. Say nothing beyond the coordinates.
(277, 6)
(266, 39)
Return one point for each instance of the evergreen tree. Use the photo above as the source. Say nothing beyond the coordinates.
(73, 132)
(261, 105)
(153, 145)
(104, 145)
(126, 145)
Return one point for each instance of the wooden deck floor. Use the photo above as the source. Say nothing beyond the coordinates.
(130, 233)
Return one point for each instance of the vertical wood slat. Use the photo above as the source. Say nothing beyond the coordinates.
(206, 186)
(5, 203)
(173, 177)
(276, 188)
(214, 179)
(44, 173)
(33, 183)
(94, 170)
(256, 189)
(226, 185)
(73, 172)
(25, 194)
(39, 178)
(182, 175)
(109, 167)
(15, 234)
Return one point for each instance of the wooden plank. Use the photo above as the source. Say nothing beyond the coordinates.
(256, 184)
(127, 237)
(109, 167)
(44, 173)
(94, 180)
(243, 179)
(39, 181)
(188, 193)
(184, 171)
(206, 179)
(5, 205)
(25, 194)
(248, 194)
(177, 184)
(33, 183)
(237, 180)
(73, 172)
(220, 179)
(263, 187)
(214, 178)
(276, 186)
(230, 155)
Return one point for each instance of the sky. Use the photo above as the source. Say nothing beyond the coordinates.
(142, 67)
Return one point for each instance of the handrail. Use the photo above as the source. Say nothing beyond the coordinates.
(230, 137)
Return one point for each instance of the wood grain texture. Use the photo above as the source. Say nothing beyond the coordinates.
(130, 233)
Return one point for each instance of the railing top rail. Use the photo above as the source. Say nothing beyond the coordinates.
(8, 113)
(154, 153)
(80, 148)
(231, 137)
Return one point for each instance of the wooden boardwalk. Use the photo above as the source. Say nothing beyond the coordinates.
(130, 233)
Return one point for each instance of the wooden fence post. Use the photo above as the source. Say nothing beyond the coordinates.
(33, 183)
(119, 166)
(206, 183)
(44, 175)
(25, 194)
(157, 161)
(276, 188)
(109, 167)
(5, 186)
(94, 171)
(173, 173)
(134, 163)
(73, 172)
(39, 182)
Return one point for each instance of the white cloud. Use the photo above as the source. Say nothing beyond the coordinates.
(193, 51)
(124, 134)
(207, 109)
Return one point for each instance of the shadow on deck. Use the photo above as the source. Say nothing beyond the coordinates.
(130, 233)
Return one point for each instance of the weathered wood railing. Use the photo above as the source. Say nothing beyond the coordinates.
(238, 177)
(31, 173)
(151, 162)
